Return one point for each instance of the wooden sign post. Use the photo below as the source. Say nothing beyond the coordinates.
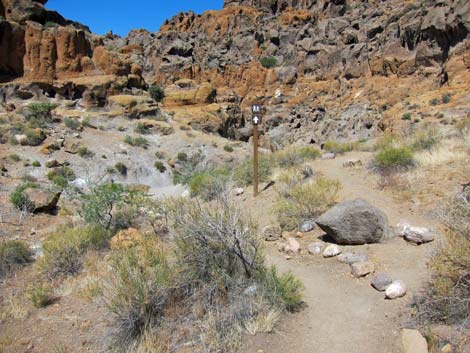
(256, 120)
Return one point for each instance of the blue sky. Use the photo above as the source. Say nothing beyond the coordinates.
(123, 15)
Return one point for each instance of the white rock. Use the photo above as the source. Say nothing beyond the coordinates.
(315, 248)
(332, 250)
(185, 193)
(396, 290)
(293, 246)
(239, 191)
(417, 235)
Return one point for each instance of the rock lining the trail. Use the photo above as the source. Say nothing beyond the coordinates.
(332, 250)
(396, 290)
(381, 281)
(350, 257)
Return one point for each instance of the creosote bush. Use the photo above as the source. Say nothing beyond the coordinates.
(393, 159)
(304, 201)
(12, 254)
(160, 166)
(41, 295)
(268, 62)
(156, 93)
(137, 141)
(64, 249)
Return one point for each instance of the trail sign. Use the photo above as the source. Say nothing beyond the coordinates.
(255, 120)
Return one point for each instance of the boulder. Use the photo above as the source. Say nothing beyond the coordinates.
(396, 290)
(272, 233)
(332, 250)
(43, 201)
(315, 248)
(413, 341)
(381, 281)
(361, 269)
(354, 223)
(350, 257)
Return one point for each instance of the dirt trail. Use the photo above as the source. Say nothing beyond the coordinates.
(344, 314)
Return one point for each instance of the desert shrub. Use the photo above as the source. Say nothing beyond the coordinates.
(337, 147)
(283, 290)
(292, 156)
(393, 159)
(216, 243)
(20, 200)
(386, 140)
(156, 93)
(107, 203)
(84, 152)
(137, 141)
(406, 116)
(445, 98)
(434, 101)
(36, 164)
(188, 165)
(210, 183)
(305, 201)
(71, 123)
(243, 173)
(121, 168)
(12, 254)
(446, 298)
(35, 136)
(182, 156)
(142, 128)
(39, 113)
(425, 140)
(160, 166)
(61, 176)
(41, 295)
(268, 62)
(228, 148)
(138, 290)
(14, 157)
(50, 24)
(64, 250)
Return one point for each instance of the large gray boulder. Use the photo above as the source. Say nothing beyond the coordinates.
(355, 222)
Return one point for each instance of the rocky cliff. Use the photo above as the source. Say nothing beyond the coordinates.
(325, 68)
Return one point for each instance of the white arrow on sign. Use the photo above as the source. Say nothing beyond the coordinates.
(256, 120)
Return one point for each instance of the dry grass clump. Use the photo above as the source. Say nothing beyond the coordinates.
(292, 156)
(446, 299)
(13, 253)
(302, 200)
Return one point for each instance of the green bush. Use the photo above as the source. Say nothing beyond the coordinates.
(14, 157)
(228, 148)
(50, 24)
(182, 157)
(160, 166)
(305, 201)
(142, 128)
(137, 141)
(243, 173)
(39, 113)
(35, 136)
(12, 254)
(446, 98)
(434, 101)
(338, 148)
(64, 250)
(36, 164)
(268, 62)
(121, 168)
(20, 200)
(392, 159)
(84, 152)
(208, 184)
(406, 116)
(71, 123)
(41, 296)
(61, 176)
(156, 93)
(292, 156)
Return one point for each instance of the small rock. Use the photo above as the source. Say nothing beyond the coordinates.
(251, 290)
(332, 250)
(22, 139)
(52, 163)
(185, 193)
(271, 233)
(413, 341)
(351, 163)
(448, 348)
(239, 191)
(417, 235)
(307, 226)
(293, 246)
(315, 248)
(381, 281)
(329, 155)
(362, 269)
(396, 290)
(350, 257)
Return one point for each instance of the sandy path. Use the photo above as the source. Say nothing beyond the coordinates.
(344, 314)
